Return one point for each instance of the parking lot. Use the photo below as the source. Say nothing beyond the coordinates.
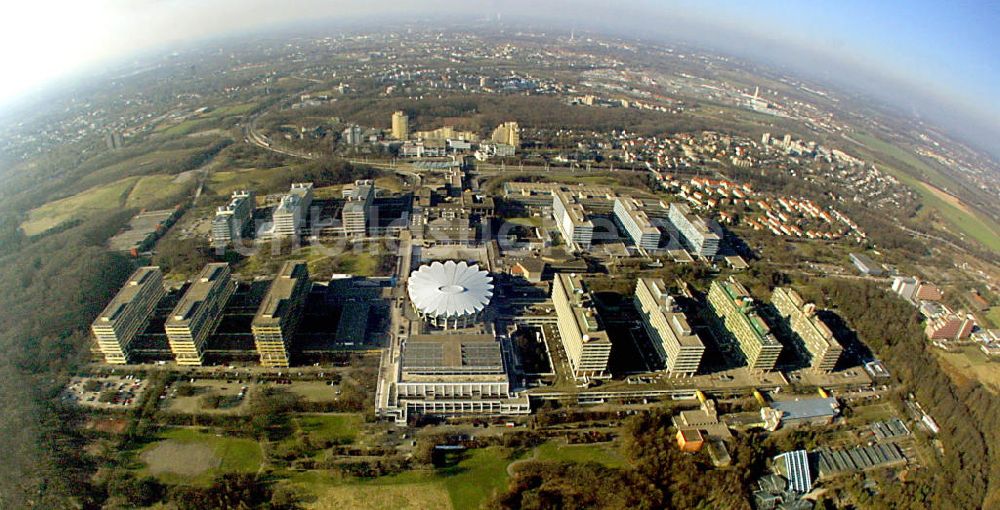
(112, 392)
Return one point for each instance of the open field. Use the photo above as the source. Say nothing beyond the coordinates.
(192, 456)
(131, 192)
(971, 362)
(871, 413)
(602, 453)
(335, 428)
(95, 200)
(413, 496)
(948, 206)
(993, 316)
(226, 394)
(269, 180)
(466, 484)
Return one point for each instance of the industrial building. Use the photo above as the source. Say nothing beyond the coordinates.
(198, 313)
(735, 309)
(450, 294)
(585, 340)
(833, 462)
(279, 314)
(290, 216)
(128, 314)
(672, 336)
(400, 126)
(571, 219)
(357, 210)
(801, 319)
(701, 237)
(232, 220)
(636, 224)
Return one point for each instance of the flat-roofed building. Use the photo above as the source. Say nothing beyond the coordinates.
(636, 224)
(571, 219)
(668, 328)
(231, 220)
(293, 211)
(585, 340)
(198, 313)
(735, 310)
(128, 314)
(356, 212)
(701, 237)
(801, 319)
(451, 374)
(279, 314)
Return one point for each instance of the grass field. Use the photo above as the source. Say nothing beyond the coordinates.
(131, 192)
(183, 455)
(265, 181)
(960, 217)
(871, 413)
(604, 453)
(336, 428)
(92, 201)
(993, 316)
(466, 484)
(970, 362)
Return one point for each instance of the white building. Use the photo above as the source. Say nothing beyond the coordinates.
(636, 224)
(668, 328)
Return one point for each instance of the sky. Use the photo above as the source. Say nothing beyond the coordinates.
(948, 51)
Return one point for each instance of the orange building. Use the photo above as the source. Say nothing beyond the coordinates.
(690, 440)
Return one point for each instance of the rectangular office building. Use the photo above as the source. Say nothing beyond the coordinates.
(800, 318)
(232, 219)
(668, 328)
(636, 224)
(570, 217)
(701, 237)
(279, 314)
(585, 340)
(292, 213)
(735, 310)
(128, 314)
(198, 313)
(356, 212)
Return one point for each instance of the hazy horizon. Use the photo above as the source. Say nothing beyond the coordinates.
(948, 78)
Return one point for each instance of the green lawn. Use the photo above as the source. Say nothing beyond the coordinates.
(468, 483)
(993, 316)
(337, 428)
(602, 453)
(229, 454)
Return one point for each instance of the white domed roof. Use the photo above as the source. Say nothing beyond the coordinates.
(450, 289)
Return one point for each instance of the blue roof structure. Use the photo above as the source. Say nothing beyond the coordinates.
(806, 409)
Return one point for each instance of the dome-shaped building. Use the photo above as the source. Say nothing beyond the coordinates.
(450, 294)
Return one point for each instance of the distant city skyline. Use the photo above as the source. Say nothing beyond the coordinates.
(943, 51)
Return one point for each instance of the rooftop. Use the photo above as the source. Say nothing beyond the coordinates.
(199, 290)
(127, 292)
(442, 353)
(280, 291)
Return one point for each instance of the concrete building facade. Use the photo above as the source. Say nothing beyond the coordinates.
(736, 314)
(701, 237)
(128, 314)
(586, 342)
(280, 313)
(668, 328)
(801, 319)
(198, 313)
(571, 219)
(636, 224)
(231, 220)
(400, 125)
